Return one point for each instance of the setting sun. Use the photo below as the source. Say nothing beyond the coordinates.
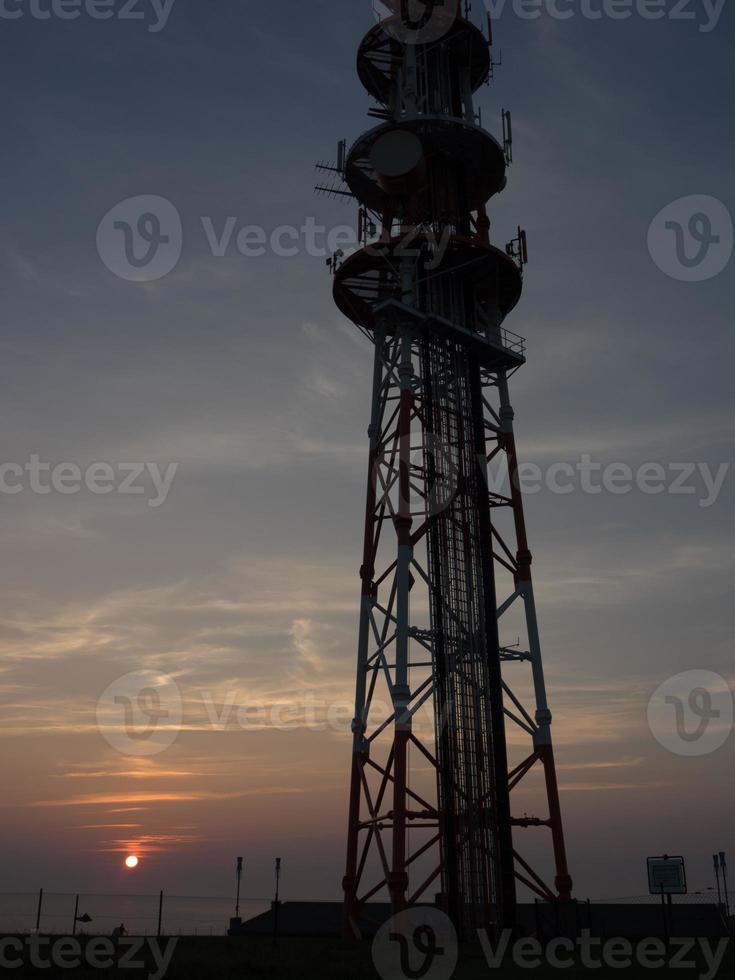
(132, 861)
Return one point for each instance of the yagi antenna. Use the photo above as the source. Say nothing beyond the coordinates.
(366, 227)
(333, 191)
(518, 248)
(490, 42)
(507, 137)
(335, 261)
(339, 167)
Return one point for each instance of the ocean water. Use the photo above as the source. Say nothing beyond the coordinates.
(185, 916)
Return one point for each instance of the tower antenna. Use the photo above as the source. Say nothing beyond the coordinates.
(444, 558)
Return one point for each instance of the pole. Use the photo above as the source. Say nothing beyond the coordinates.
(723, 865)
(276, 903)
(666, 920)
(160, 911)
(76, 911)
(239, 876)
(38, 910)
(716, 861)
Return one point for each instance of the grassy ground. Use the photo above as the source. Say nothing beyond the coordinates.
(256, 958)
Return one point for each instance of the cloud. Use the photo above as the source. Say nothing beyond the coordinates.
(104, 799)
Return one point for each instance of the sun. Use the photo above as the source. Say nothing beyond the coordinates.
(131, 861)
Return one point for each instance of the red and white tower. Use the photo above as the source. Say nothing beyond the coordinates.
(446, 724)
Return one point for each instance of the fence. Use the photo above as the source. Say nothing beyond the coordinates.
(187, 915)
(181, 915)
(707, 896)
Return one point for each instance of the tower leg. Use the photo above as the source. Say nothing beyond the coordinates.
(542, 735)
(398, 883)
(506, 912)
(360, 751)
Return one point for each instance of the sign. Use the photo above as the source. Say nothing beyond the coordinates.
(667, 875)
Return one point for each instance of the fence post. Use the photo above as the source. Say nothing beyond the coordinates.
(160, 911)
(38, 910)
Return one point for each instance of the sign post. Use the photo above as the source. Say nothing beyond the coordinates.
(665, 914)
(667, 874)
(666, 877)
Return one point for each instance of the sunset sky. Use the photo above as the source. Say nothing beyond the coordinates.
(243, 584)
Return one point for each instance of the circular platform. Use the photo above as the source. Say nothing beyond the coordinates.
(475, 157)
(382, 48)
(372, 277)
